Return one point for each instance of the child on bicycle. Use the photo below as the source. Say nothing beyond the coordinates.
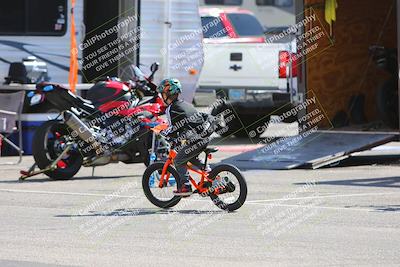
(188, 131)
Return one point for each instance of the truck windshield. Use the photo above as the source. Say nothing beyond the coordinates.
(245, 24)
(213, 27)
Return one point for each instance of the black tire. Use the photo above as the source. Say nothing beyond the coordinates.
(146, 159)
(240, 126)
(158, 166)
(232, 126)
(44, 154)
(249, 132)
(253, 127)
(242, 183)
(241, 134)
(387, 103)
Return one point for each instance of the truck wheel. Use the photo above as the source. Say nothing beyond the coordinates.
(227, 125)
(232, 125)
(252, 129)
(254, 125)
(387, 103)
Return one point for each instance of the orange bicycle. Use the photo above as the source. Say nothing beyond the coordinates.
(224, 184)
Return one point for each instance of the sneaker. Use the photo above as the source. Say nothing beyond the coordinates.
(184, 191)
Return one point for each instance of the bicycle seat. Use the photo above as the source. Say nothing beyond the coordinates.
(210, 150)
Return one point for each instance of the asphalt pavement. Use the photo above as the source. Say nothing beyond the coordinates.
(338, 216)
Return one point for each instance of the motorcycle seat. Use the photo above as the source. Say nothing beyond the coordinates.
(86, 101)
(41, 87)
(83, 103)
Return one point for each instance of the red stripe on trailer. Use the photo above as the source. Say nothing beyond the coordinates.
(234, 40)
(239, 148)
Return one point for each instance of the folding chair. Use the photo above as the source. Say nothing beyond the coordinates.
(11, 105)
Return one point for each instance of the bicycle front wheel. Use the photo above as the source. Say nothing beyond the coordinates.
(161, 197)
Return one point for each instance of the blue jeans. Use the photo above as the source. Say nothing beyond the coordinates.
(188, 153)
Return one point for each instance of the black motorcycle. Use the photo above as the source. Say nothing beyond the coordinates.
(111, 125)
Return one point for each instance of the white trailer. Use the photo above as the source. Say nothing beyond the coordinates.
(169, 30)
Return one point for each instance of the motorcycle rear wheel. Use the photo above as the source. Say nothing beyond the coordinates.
(47, 138)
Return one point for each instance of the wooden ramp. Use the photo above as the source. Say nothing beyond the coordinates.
(313, 151)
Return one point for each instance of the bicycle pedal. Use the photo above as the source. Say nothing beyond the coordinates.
(205, 194)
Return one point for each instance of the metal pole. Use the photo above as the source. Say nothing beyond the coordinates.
(398, 52)
(128, 8)
(291, 72)
(301, 75)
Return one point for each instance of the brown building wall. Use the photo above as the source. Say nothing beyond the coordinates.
(342, 67)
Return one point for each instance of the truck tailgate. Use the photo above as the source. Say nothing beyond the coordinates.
(242, 65)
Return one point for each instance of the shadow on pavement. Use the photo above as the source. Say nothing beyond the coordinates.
(392, 208)
(366, 161)
(141, 212)
(379, 208)
(42, 180)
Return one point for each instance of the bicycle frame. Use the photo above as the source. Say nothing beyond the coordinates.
(199, 186)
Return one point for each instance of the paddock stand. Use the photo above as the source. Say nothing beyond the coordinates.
(31, 172)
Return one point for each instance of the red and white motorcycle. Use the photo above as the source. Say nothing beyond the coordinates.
(111, 125)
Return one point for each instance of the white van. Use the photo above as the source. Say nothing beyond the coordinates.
(167, 31)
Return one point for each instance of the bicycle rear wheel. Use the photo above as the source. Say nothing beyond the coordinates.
(228, 177)
(160, 197)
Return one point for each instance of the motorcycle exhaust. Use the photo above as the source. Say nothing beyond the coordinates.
(79, 128)
(104, 160)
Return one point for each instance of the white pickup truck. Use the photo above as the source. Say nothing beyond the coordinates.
(254, 76)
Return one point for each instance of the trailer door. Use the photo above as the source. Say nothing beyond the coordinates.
(171, 35)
